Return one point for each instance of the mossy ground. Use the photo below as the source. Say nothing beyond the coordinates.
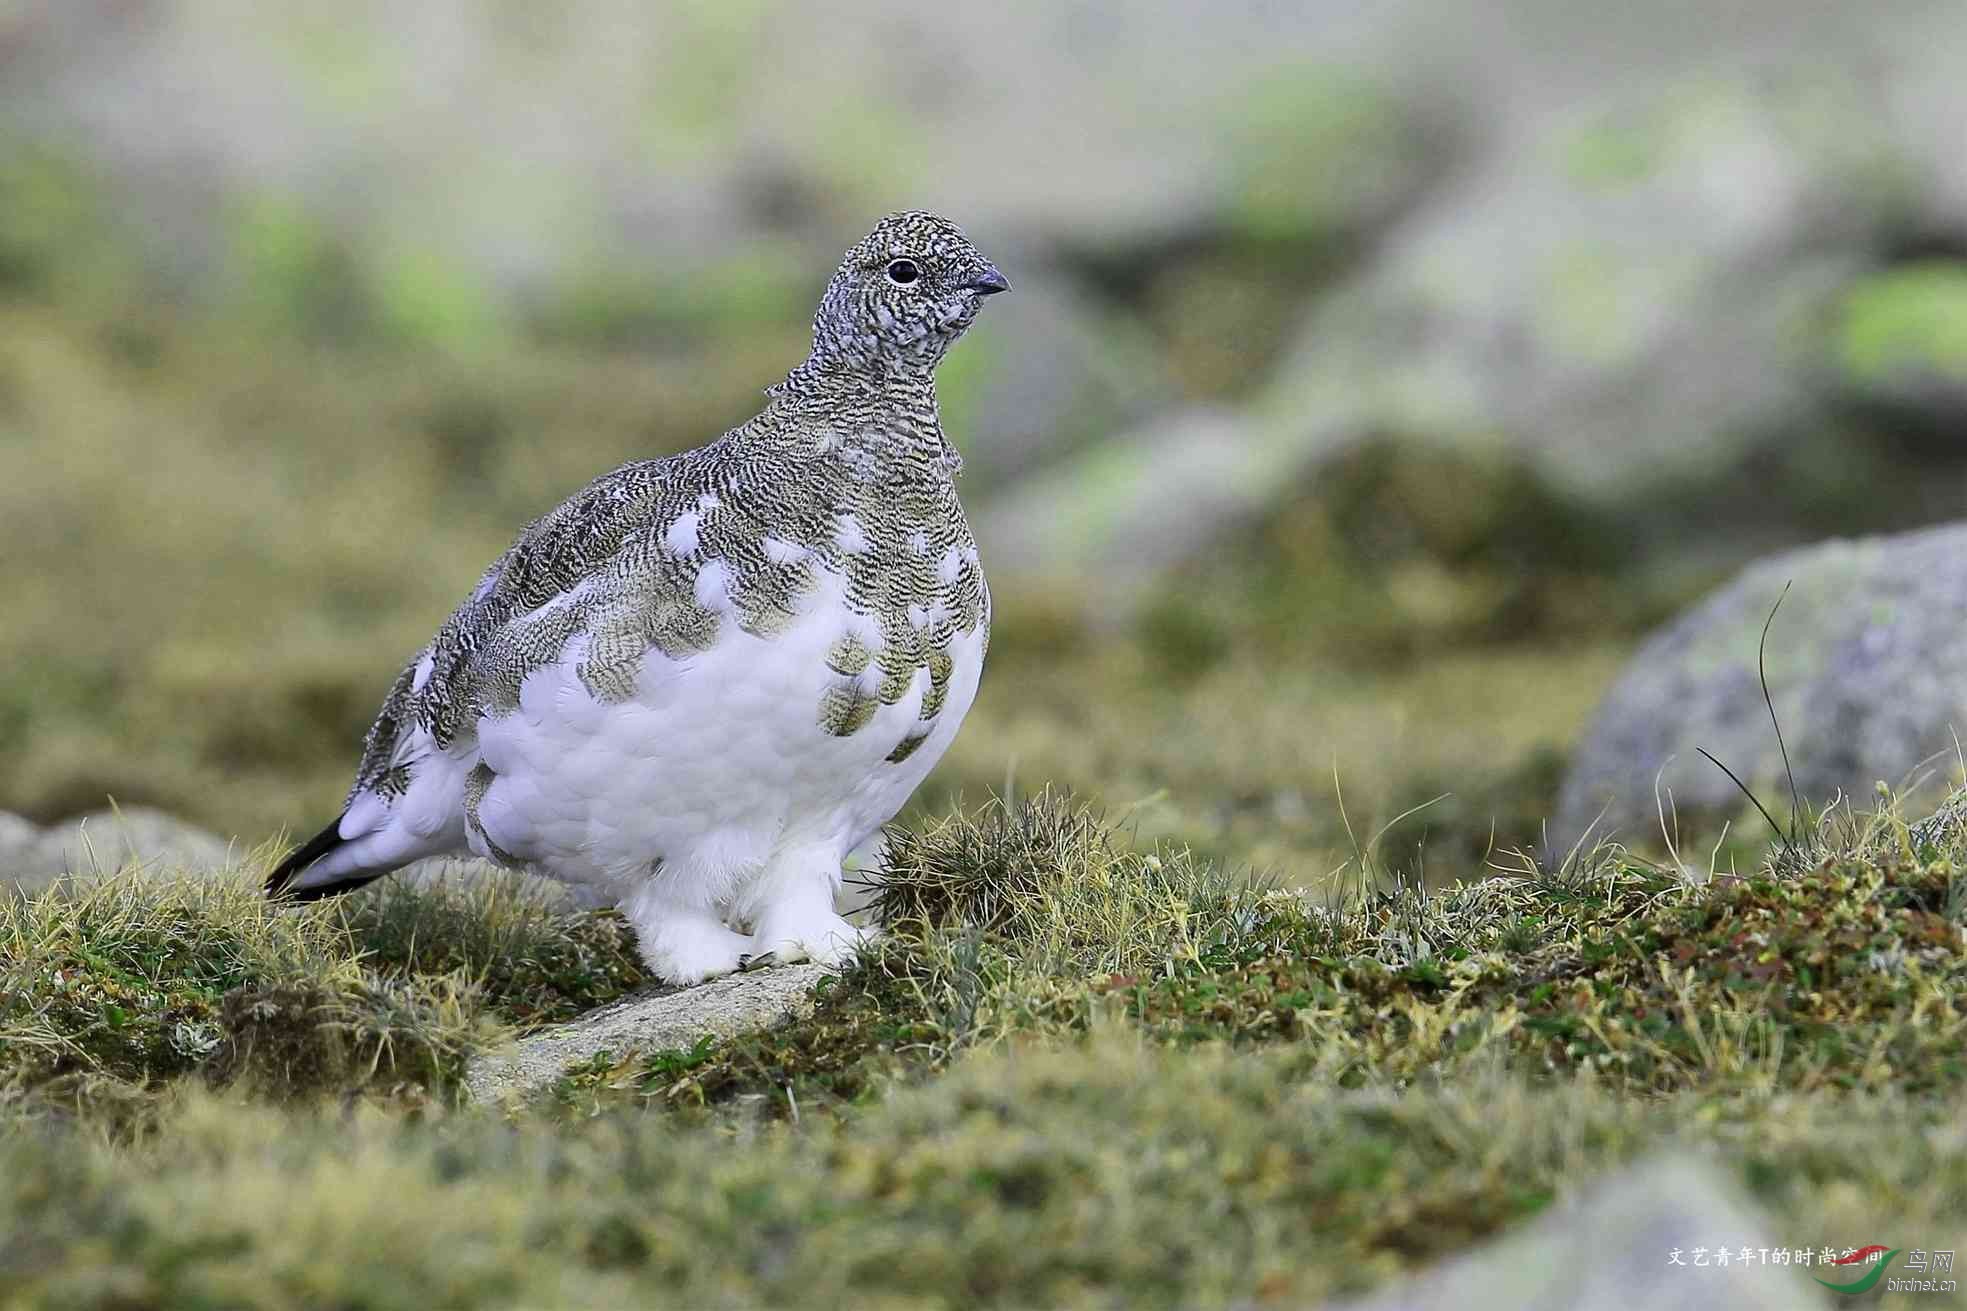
(1115, 1174)
(1077, 1069)
(1846, 971)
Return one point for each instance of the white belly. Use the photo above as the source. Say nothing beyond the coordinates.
(715, 762)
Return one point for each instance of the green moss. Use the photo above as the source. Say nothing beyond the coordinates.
(382, 1036)
(1648, 987)
(1614, 152)
(867, 1027)
(291, 273)
(427, 296)
(1907, 321)
(762, 294)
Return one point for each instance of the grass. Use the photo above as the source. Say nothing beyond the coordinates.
(1849, 974)
(1242, 761)
(1117, 1174)
(532, 959)
(1080, 1069)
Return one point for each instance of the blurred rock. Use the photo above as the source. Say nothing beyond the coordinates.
(1865, 666)
(1611, 1251)
(1631, 243)
(448, 148)
(18, 837)
(1051, 370)
(32, 857)
(1640, 292)
(1631, 294)
(655, 1021)
(1122, 511)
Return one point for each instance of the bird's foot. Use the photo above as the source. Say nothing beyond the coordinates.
(695, 950)
(823, 940)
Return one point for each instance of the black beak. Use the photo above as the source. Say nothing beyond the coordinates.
(989, 282)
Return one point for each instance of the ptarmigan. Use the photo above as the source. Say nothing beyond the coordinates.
(696, 686)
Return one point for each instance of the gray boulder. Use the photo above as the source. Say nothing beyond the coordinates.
(102, 842)
(1865, 665)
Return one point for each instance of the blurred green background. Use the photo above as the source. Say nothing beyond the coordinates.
(1375, 376)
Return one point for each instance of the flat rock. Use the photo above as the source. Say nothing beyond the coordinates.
(103, 841)
(1865, 666)
(1611, 1250)
(650, 1021)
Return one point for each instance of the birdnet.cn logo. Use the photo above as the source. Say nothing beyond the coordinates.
(1919, 1270)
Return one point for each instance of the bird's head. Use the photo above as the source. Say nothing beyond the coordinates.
(903, 295)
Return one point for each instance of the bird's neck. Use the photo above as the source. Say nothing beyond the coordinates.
(888, 415)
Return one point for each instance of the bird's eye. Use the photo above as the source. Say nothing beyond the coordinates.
(902, 272)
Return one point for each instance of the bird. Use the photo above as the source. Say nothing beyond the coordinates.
(697, 685)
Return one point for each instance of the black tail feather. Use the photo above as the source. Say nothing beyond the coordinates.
(306, 854)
